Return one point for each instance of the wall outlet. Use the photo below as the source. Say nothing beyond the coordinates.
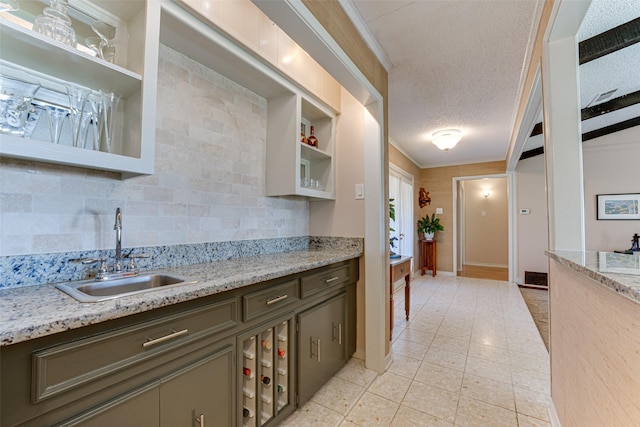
(439, 211)
(359, 191)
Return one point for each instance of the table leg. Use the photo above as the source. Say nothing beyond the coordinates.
(407, 294)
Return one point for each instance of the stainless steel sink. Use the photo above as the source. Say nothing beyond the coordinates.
(102, 290)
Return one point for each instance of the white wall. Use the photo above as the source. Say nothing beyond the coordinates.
(611, 166)
(486, 223)
(209, 183)
(532, 229)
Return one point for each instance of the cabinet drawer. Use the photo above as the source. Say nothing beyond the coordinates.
(401, 270)
(270, 299)
(314, 283)
(62, 368)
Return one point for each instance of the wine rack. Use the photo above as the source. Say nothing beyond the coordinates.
(265, 373)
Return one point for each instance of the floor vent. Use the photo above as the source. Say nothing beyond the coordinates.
(533, 279)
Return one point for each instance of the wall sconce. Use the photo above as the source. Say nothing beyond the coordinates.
(486, 193)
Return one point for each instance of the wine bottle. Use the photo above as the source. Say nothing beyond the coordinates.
(265, 380)
(247, 372)
(312, 140)
(281, 388)
(281, 353)
(303, 137)
(266, 344)
(247, 413)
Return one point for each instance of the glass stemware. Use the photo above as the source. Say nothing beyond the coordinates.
(95, 129)
(77, 98)
(110, 103)
(105, 49)
(57, 117)
(15, 103)
(9, 5)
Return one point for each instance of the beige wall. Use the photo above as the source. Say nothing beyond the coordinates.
(532, 229)
(486, 235)
(595, 352)
(438, 182)
(404, 163)
(611, 165)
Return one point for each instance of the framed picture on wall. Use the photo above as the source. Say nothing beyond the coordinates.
(618, 206)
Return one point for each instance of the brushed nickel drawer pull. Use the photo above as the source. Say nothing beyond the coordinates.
(172, 335)
(200, 419)
(333, 279)
(276, 299)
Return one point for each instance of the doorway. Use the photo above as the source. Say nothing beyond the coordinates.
(483, 240)
(401, 191)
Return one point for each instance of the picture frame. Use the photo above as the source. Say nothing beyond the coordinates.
(618, 206)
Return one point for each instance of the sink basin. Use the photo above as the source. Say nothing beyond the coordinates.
(95, 291)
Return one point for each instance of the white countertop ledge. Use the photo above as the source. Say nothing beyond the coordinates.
(36, 311)
(618, 272)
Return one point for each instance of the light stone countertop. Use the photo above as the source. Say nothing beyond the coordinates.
(36, 311)
(619, 272)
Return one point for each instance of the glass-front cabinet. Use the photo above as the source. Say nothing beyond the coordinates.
(73, 87)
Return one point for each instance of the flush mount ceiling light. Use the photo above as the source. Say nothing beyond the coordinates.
(446, 139)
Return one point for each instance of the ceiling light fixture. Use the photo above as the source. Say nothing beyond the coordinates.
(446, 139)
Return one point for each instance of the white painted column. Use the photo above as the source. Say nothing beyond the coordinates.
(562, 129)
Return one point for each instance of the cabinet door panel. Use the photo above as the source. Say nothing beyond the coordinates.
(203, 389)
(321, 351)
(138, 408)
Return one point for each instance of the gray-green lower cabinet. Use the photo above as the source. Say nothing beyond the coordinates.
(199, 394)
(322, 345)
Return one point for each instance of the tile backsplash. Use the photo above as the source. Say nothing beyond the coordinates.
(209, 184)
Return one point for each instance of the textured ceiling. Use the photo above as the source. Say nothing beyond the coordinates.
(460, 64)
(453, 64)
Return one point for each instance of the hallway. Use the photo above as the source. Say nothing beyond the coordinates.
(469, 356)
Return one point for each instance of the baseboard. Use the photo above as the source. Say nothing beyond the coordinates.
(553, 416)
(485, 264)
(388, 360)
(445, 273)
(518, 280)
(359, 354)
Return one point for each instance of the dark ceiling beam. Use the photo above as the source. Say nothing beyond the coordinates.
(611, 105)
(610, 41)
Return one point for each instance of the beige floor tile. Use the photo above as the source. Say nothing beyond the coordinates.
(488, 369)
(347, 423)
(456, 345)
(489, 391)
(533, 362)
(461, 333)
(420, 336)
(432, 400)
(532, 403)
(438, 376)
(409, 417)
(404, 366)
(525, 421)
(339, 395)
(313, 414)
(355, 372)
(532, 380)
(373, 410)
(409, 349)
(390, 386)
(489, 352)
(446, 358)
(475, 413)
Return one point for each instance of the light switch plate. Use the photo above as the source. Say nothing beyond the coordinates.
(359, 191)
(439, 211)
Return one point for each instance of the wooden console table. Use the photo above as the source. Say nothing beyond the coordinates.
(399, 267)
(428, 256)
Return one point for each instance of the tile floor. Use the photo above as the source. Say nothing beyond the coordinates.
(469, 356)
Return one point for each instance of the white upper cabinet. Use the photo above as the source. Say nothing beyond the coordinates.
(55, 132)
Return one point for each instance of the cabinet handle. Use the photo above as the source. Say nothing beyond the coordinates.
(172, 335)
(276, 299)
(200, 419)
(317, 343)
(333, 279)
(340, 333)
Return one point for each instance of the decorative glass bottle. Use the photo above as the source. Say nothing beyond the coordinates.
(312, 140)
(55, 23)
(303, 137)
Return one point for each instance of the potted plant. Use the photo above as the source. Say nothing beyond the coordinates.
(429, 226)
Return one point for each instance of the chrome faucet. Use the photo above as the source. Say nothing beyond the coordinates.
(117, 267)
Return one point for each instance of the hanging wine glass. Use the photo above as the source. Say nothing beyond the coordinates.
(55, 23)
(110, 103)
(77, 98)
(94, 100)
